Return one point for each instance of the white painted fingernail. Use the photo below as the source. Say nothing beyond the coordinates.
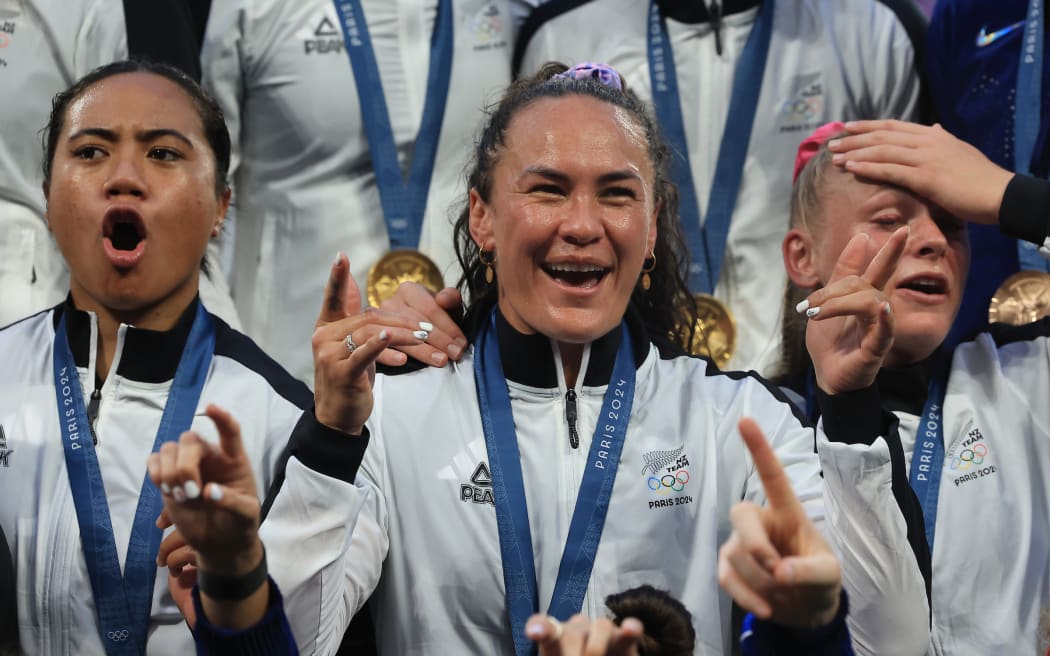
(887, 308)
(812, 312)
(534, 631)
(802, 305)
(338, 257)
(383, 335)
(179, 495)
(165, 488)
(192, 490)
(421, 334)
(426, 325)
(215, 492)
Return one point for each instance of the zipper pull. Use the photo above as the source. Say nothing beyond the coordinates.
(96, 399)
(570, 417)
(715, 10)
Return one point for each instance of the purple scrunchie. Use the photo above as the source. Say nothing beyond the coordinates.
(601, 73)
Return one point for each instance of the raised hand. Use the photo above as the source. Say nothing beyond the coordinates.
(418, 304)
(775, 563)
(581, 636)
(850, 327)
(346, 343)
(209, 494)
(927, 160)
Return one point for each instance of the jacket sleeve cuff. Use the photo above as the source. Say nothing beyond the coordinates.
(326, 450)
(271, 635)
(1025, 209)
(763, 638)
(854, 417)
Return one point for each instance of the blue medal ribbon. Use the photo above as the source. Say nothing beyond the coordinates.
(123, 601)
(403, 202)
(508, 487)
(707, 239)
(927, 460)
(1028, 105)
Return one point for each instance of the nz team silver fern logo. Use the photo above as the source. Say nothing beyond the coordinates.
(657, 460)
(667, 474)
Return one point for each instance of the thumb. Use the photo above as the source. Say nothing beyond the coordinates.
(817, 569)
(342, 297)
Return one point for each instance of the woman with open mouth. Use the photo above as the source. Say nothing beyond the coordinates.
(970, 458)
(135, 179)
(576, 451)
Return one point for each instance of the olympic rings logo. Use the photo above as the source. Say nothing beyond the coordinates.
(119, 636)
(801, 109)
(669, 483)
(970, 458)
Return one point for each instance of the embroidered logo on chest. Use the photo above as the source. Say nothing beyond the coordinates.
(323, 36)
(803, 109)
(970, 459)
(488, 28)
(666, 475)
(479, 490)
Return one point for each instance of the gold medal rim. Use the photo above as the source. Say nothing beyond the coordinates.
(374, 272)
(1003, 291)
(723, 308)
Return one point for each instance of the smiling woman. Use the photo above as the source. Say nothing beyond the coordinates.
(528, 477)
(135, 178)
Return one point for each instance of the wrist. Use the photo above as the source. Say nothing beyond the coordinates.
(337, 422)
(233, 563)
(234, 582)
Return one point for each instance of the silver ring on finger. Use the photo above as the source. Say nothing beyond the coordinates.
(350, 346)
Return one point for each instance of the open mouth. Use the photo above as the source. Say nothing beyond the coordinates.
(928, 285)
(583, 276)
(124, 229)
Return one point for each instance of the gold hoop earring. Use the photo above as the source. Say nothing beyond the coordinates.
(647, 266)
(488, 258)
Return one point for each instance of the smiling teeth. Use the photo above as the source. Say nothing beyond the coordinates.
(575, 268)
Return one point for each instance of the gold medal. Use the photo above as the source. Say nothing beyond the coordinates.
(1023, 298)
(715, 335)
(398, 266)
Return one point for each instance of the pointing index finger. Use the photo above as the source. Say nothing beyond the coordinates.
(342, 297)
(882, 266)
(779, 493)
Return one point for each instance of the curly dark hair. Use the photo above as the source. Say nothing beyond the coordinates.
(668, 624)
(667, 307)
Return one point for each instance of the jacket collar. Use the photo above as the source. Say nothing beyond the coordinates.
(529, 359)
(148, 356)
(905, 389)
(695, 11)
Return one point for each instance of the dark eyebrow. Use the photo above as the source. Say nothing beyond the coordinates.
(143, 136)
(558, 176)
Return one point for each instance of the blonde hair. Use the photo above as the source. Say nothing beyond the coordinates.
(807, 213)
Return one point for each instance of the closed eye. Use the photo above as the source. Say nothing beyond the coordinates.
(888, 222)
(546, 188)
(621, 192)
